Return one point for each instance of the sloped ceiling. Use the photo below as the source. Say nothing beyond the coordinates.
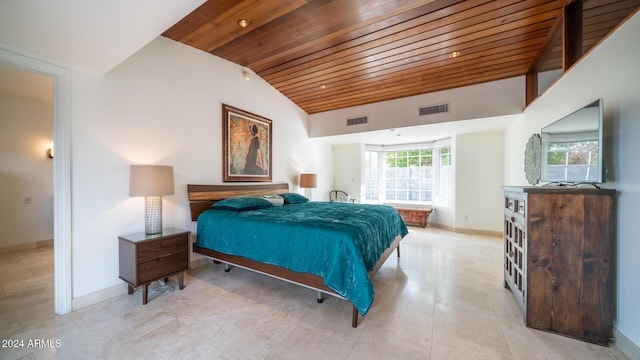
(96, 35)
(331, 54)
(321, 54)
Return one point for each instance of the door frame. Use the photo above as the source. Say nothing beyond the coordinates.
(14, 57)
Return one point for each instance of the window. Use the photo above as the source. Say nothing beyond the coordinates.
(421, 175)
(408, 175)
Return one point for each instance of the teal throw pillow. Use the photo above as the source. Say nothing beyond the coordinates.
(242, 203)
(293, 198)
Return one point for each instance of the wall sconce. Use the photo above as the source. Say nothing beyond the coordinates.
(307, 182)
(50, 151)
(152, 182)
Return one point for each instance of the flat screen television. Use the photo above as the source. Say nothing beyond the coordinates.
(572, 147)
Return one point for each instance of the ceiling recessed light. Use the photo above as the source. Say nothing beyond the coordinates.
(243, 23)
(323, 86)
(454, 54)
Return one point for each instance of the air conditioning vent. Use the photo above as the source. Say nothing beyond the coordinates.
(357, 121)
(434, 109)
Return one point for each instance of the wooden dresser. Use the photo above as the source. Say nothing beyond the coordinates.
(414, 216)
(558, 258)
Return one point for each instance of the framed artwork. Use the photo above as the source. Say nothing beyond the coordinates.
(246, 146)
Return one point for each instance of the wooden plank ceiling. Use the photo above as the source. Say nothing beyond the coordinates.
(331, 54)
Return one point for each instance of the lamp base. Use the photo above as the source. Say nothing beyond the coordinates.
(153, 215)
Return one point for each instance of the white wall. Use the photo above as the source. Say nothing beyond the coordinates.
(26, 131)
(547, 78)
(610, 71)
(318, 160)
(503, 97)
(163, 106)
(348, 167)
(479, 166)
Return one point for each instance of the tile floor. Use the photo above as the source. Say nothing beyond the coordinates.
(443, 299)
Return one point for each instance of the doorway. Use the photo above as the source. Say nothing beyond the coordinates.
(61, 167)
(26, 198)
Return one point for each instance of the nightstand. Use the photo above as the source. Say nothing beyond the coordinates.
(147, 258)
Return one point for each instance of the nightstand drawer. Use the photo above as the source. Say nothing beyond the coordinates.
(154, 249)
(162, 266)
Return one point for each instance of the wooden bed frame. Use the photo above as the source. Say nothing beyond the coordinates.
(201, 197)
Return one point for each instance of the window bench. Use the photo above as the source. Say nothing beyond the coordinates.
(414, 216)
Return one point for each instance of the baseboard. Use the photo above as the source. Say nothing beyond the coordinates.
(468, 231)
(119, 289)
(26, 246)
(98, 296)
(625, 345)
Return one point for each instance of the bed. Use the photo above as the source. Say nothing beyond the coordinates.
(333, 248)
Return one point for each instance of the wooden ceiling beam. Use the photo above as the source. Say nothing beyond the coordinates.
(572, 34)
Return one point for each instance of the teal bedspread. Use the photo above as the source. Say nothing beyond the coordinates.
(339, 242)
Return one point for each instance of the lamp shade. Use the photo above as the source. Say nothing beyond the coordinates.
(308, 180)
(151, 180)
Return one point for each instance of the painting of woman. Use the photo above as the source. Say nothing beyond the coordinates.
(247, 144)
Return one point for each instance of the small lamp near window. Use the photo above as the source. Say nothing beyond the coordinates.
(152, 182)
(307, 182)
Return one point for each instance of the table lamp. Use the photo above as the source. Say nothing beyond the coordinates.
(152, 182)
(307, 182)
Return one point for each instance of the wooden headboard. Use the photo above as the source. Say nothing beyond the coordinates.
(201, 197)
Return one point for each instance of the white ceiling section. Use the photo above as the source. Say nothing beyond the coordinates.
(94, 34)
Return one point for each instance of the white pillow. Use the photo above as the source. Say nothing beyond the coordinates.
(275, 200)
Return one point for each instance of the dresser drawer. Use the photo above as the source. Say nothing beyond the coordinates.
(162, 266)
(152, 250)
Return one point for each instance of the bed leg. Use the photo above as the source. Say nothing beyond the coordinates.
(354, 318)
(398, 250)
(227, 268)
(320, 299)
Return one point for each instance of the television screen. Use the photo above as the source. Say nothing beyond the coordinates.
(572, 147)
